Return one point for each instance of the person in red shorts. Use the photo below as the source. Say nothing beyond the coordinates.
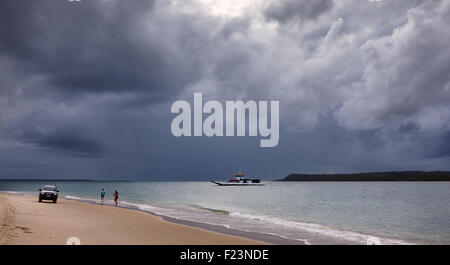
(116, 196)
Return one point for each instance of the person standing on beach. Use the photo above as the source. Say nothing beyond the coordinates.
(102, 195)
(116, 196)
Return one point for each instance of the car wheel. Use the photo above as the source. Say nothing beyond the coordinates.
(40, 199)
(54, 200)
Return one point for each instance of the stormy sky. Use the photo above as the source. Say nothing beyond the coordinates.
(86, 87)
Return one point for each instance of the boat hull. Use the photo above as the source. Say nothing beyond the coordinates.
(223, 183)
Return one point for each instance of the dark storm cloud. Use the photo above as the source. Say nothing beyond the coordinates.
(60, 59)
(362, 85)
(443, 146)
(68, 141)
(94, 47)
(71, 143)
(403, 74)
(286, 10)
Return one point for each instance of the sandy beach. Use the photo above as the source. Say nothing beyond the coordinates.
(26, 221)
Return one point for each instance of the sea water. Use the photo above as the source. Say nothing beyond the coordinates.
(308, 212)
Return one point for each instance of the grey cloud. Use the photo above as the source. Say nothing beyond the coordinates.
(405, 72)
(442, 148)
(283, 11)
(362, 85)
(69, 141)
(409, 128)
(96, 47)
(72, 144)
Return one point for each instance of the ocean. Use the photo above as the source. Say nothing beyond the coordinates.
(303, 212)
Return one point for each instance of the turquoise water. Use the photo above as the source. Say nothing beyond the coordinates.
(381, 212)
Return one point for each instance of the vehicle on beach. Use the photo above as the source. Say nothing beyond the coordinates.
(48, 192)
(240, 180)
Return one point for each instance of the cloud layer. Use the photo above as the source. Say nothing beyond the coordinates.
(91, 82)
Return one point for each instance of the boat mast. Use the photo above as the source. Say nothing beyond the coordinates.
(239, 175)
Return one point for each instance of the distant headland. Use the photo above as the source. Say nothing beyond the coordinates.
(373, 176)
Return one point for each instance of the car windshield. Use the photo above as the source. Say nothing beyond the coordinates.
(50, 188)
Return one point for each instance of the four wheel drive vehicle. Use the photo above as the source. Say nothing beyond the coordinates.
(48, 192)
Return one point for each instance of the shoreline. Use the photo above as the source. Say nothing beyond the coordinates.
(311, 238)
(262, 237)
(25, 221)
(309, 235)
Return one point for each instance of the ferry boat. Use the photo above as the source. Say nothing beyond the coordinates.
(240, 180)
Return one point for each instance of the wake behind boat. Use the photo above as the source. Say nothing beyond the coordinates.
(240, 180)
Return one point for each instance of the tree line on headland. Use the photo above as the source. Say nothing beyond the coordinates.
(373, 176)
